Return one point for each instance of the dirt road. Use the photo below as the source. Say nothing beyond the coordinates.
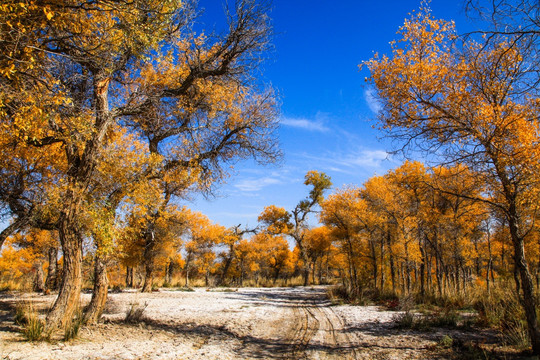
(311, 328)
(252, 323)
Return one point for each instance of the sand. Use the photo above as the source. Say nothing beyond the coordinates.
(248, 323)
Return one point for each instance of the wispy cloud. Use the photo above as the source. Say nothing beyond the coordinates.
(353, 161)
(366, 158)
(373, 103)
(256, 184)
(306, 124)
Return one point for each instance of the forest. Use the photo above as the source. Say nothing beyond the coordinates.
(113, 114)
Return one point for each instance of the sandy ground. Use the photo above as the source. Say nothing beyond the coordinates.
(250, 323)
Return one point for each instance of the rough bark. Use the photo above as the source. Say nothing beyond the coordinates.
(12, 228)
(99, 295)
(391, 258)
(528, 300)
(80, 175)
(71, 283)
(129, 276)
(149, 260)
(169, 271)
(52, 281)
(226, 267)
(38, 283)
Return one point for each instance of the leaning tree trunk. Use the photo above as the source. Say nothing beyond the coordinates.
(81, 169)
(528, 300)
(12, 228)
(99, 294)
(71, 283)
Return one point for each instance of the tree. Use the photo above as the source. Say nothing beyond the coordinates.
(203, 237)
(73, 74)
(32, 250)
(464, 101)
(351, 223)
(318, 244)
(232, 240)
(279, 221)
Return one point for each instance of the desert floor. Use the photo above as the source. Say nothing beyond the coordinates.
(248, 323)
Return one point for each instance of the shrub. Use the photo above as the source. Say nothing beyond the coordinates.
(445, 318)
(33, 328)
(185, 288)
(501, 310)
(135, 312)
(21, 312)
(405, 320)
(446, 341)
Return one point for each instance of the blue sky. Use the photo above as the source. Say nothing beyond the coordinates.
(326, 110)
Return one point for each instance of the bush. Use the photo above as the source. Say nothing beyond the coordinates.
(445, 318)
(446, 341)
(185, 288)
(33, 328)
(501, 310)
(21, 312)
(135, 312)
(341, 294)
(410, 320)
(405, 320)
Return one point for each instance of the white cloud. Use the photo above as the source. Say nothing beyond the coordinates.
(302, 123)
(366, 158)
(252, 185)
(348, 163)
(373, 103)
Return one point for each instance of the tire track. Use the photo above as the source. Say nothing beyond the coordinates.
(317, 331)
(306, 326)
(332, 341)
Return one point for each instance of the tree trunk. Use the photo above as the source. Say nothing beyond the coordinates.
(169, 272)
(129, 276)
(12, 228)
(38, 283)
(305, 273)
(149, 260)
(382, 265)
(391, 258)
(52, 281)
(186, 269)
(80, 174)
(242, 272)
(374, 263)
(439, 275)
(71, 283)
(226, 267)
(99, 295)
(490, 262)
(148, 277)
(276, 275)
(528, 300)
